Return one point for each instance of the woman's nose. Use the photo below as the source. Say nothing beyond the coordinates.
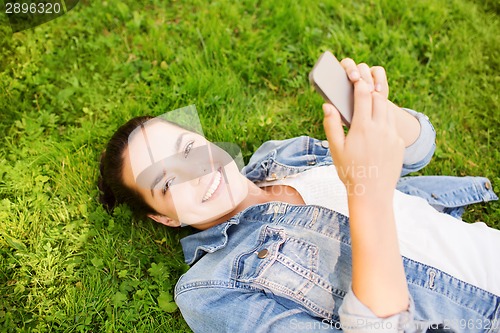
(195, 169)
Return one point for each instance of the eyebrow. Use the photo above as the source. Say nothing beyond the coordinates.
(179, 140)
(162, 175)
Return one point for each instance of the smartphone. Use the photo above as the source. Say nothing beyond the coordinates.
(330, 80)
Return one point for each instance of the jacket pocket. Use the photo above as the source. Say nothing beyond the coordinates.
(286, 267)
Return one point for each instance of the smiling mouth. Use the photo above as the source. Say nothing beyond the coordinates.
(214, 186)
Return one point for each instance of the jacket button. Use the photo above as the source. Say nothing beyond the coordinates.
(325, 144)
(262, 254)
(434, 196)
(487, 185)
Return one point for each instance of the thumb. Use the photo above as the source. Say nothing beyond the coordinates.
(333, 129)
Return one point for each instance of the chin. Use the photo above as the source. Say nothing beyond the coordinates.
(223, 204)
(221, 207)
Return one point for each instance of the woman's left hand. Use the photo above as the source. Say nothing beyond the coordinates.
(368, 161)
(408, 127)
(369, 158)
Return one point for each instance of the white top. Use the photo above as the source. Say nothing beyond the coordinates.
(467, 251)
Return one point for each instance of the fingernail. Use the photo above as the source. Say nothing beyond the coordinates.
(354, 75)
(327, 109)
(378, 87)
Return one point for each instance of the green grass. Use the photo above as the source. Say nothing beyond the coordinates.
(65, 86)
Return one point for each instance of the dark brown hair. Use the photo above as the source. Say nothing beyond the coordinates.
(111, 184)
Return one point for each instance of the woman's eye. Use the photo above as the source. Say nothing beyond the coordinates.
(188, 148)
(167, 185)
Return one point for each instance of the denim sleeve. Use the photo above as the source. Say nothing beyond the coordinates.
(222, 308)
(356, 317)
(419, 154)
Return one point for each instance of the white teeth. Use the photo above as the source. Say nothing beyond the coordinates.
(213, 187)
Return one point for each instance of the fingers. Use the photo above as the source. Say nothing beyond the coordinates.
(333, 129)
(379, 113)
(380, 103)
(375, 76)
(351, 69)
(380, 80)
(362, 104)
(367, 80)
(366, 75)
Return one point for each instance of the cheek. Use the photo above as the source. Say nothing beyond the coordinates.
(182, 196)
(164, 205)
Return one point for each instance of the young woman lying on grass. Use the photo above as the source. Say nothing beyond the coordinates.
(317, 235)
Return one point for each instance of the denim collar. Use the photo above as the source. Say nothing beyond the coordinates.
(207, 241)
(216, 238)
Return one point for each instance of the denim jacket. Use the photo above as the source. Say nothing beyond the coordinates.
(277, 267)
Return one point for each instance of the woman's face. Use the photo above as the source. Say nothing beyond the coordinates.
(181, 175)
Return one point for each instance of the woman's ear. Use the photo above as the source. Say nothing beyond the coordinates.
(165, 220)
